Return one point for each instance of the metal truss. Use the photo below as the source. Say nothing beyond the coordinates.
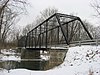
(56, 30)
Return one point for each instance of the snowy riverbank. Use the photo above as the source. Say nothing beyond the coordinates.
(83, 60)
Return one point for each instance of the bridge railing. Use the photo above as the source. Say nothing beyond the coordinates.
(87, 42)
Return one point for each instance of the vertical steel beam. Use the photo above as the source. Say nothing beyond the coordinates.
(67, 31)
(40, 38)
(32, 38)
(29, 39)
(51, 34)
(57, 16)
(58, 35)
(35, 36)
(79, 33)
(26, 41)
(44, 35)
(46, 43)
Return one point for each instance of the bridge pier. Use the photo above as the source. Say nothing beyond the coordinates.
(57, 57)
(28, 61)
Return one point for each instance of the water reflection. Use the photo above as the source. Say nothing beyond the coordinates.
(31, 63)
(8, 65)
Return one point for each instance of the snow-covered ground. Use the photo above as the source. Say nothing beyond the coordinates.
(9, 55)
(44, 55)
(83, 60)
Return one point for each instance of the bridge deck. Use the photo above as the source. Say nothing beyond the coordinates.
(65, 46)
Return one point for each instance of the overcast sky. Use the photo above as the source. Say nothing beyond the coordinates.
(82, 8)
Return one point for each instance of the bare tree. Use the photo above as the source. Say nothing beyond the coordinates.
(9, 13)
(45, 14)
(96, 5)
(14, 36)
(26, 29)
(97, 32)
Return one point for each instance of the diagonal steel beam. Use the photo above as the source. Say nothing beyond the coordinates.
(85, 28)
(66, 39)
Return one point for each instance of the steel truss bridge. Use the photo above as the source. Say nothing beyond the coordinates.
(58, 30)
